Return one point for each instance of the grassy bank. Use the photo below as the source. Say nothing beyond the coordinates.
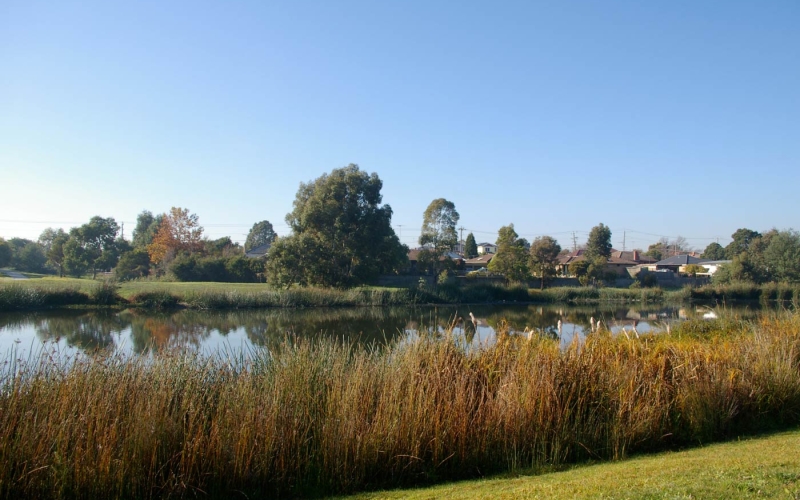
(784, 293)
(319, 418)
(61, 292)
(766, 467)
(45, 292)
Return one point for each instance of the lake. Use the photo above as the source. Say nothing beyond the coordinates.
(138, 332)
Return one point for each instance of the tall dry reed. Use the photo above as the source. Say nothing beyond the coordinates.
(321, 417)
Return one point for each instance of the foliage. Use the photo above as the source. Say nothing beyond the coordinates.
(714, 251)
(742, 239)
(782, 256)
(146, 228)
(470, 247)
(30, 258)
(222, 247)
(92, 246)
(179, 231)
(599, 243)
(511, 259)
(5, 253)
(262, 233)
(235, 269)
(132, 265)
(341, 234)
(544, 257)
(439, 229)
(53, 240)
(694, 269)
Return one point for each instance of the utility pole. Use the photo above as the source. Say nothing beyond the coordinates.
(574, 242)
(122, 231)
(623, 241)
(462, 240)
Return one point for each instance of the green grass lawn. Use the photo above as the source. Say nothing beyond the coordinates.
(765, 467)
(128, 288)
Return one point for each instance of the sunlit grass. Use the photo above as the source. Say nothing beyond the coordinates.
(322, 417)
(765, 467)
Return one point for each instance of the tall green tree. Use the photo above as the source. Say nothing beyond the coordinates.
(438, 231)
(714, 251)
(599, 243)
(53, 240)
(470, 247)
(544, 257)
(782, 256)
(511, 259)
(92, 246)
(341, 233)
(147, 226)
(261, 233)
(742, 239)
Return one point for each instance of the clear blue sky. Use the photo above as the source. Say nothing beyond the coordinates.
(659, 118)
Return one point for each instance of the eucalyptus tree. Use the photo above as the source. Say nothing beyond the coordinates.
(341, 233)
(511, 259)
(438, 231)
(544, 257)
(261, 233)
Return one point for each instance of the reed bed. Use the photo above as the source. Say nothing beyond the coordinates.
(312, 418)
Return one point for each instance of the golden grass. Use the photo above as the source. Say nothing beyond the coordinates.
(311, 418)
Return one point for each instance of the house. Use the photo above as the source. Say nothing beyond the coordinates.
(258, 252)
(619, 261)
(479, 262)
(487, 248)
(678, 263)
(413, 259)
(713, 266)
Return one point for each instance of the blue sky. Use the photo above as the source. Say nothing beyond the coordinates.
(655, 118)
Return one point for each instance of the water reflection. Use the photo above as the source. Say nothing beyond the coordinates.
(140, 332)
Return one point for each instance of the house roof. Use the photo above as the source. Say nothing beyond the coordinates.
(486, 245)
(680, 260)
(258, 251)
(618, 257)
(481, 259)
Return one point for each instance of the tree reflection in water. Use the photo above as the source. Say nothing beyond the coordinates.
(142, 331)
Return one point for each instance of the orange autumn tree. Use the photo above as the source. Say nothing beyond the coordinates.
(179, 231)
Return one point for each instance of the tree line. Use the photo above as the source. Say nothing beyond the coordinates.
(341, 236)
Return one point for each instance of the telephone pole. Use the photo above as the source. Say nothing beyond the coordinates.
(461, 242)
(574, 242)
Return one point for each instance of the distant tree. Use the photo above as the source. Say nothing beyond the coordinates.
(470, 247)
(179, 231)
(438, 230)
(92, 246)
(5, 253)
(782, 256)
(341, 234)
(580, 269)
(659, 250)
(224, 247)
(511, 259)
(544, 257)
(714, 251)
(52, 241)
(261, 233)
(31, 258)
(133, 264)
(147, 226)
(599, 243)
(741, 242)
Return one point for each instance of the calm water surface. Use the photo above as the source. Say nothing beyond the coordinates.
(137, 332)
